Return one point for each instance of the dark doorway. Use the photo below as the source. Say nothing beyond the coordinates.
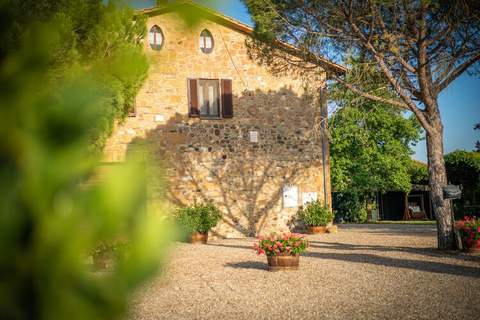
(392, 205)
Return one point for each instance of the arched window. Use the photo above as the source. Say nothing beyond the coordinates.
(206, 41)
(155, 38)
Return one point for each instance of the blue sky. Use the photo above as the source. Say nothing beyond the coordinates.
(459, 103)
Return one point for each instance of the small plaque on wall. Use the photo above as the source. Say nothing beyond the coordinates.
(290, 196)
(254, 136)
(159, 118)
(308, 197)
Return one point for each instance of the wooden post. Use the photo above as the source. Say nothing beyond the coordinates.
(406, 212)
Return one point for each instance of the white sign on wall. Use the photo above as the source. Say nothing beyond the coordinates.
(159, 118)
(308, 197)
(290, 196)
(254, 136)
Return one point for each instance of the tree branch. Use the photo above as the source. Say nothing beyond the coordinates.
(418, 112)
(395, 84)
(387, 37)
(456, 73)
(408, 102)
(371, 96)
(425, 83)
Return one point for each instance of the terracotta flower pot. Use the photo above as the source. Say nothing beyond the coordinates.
(317, 229)
(283, 262)
(199, 237)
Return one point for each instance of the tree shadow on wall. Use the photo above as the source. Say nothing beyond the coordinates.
(215, 160)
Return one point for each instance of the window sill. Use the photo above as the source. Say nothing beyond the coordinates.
(210, 118)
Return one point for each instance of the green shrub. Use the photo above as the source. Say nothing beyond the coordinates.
(198, 217)
(316, 214)
(53, 211)
(360, 215)
(351, 206)
(463, 168)
(418, 172)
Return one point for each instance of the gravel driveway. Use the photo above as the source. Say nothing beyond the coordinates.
(362, 272)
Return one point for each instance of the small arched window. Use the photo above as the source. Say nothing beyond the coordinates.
(206, 41)
(155, 38)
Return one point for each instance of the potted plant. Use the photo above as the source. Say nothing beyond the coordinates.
(197, 220)
(282, 251)
(469, 230)
(316, 216)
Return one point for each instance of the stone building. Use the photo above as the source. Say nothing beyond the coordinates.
(226, 128)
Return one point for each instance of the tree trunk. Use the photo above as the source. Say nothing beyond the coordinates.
(437, 180)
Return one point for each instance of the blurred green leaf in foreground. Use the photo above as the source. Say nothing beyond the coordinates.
(51, 218)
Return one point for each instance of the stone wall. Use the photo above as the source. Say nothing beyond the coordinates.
(215, 159)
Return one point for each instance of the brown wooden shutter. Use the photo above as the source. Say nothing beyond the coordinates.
(227, 99)
(192, 98)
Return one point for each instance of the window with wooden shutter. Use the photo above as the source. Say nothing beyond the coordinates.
(192, 98)
(227, 99)
(210, 98)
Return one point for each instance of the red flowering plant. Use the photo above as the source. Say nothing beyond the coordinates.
(276, 245)
(469, 229)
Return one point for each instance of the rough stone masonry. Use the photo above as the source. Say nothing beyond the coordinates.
(257, 166)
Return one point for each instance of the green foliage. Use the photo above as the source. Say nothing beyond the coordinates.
(463, 168)
(370, 145)
(316, 214)
(460, 210)
(51, 216)
(418, 172)
(370, 141)
(352, 206)
(267, 26)
(198, 217)
(91, 36)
